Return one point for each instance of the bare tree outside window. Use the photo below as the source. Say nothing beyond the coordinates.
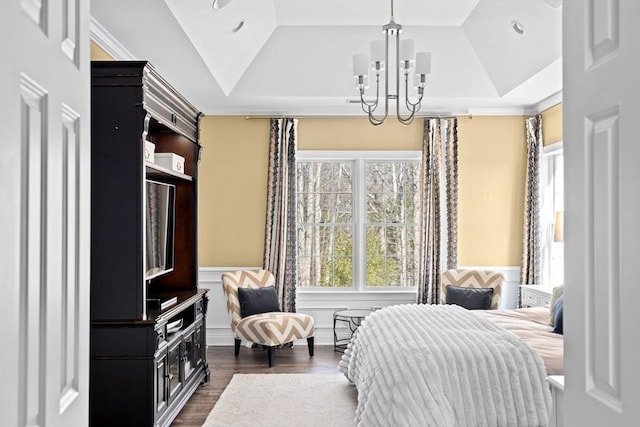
(391, 227)
(325, 224)
(329, 217)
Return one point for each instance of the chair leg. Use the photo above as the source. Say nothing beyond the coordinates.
(237, 347)
(310, 344)
(269, 354)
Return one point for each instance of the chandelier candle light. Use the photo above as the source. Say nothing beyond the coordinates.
(404, 63)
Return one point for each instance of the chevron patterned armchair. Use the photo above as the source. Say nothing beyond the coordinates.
(266, 329)
(473, 279)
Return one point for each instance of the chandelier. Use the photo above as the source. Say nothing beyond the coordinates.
(401, 68)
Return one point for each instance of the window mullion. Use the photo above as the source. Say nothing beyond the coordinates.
(359, 253)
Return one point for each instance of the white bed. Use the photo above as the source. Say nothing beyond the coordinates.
(442, 365)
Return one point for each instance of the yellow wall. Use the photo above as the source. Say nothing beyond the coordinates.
(492, 154)
(99, 54)
(552, 125)
(233, 175)
(358, 134)
(232, 191)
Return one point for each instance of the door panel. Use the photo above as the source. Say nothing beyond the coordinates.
(45, 175)
(601, 112)
(32, 264)
(70, 284)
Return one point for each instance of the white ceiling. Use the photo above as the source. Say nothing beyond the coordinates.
(295, 56)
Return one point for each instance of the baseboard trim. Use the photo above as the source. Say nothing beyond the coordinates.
(224, 337)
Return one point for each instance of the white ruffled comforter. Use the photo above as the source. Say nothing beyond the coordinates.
(442, 365)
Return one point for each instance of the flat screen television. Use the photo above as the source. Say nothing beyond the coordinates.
(160, 227)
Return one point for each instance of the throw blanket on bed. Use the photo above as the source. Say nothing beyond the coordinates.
(442, 365)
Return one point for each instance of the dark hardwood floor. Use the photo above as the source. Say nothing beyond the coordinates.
(223, 365)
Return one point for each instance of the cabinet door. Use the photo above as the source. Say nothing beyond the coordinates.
(199, 353)
(161, 384)
(176, 375)
(189, 354)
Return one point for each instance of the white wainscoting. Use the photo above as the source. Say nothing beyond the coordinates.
(321, 303)
(218, 327)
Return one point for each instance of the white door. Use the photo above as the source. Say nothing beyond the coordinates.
(44, 212)
(602, 201)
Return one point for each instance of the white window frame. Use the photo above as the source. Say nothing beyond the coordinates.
(552, 252)
(359, 157)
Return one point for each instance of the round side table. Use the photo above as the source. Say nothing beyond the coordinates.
(353, 319)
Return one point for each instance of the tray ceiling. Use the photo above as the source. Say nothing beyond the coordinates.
(294, 56)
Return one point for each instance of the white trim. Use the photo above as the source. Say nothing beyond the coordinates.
(548, 102)
(551, 197)
(555, 148)
(212, 275)
(107, 42)
(358, 209)
(489, 111)
(215, 110)
(350, 291)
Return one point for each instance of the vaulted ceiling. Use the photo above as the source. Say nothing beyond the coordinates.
(295, 56)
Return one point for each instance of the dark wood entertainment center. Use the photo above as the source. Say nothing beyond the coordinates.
(146, 361)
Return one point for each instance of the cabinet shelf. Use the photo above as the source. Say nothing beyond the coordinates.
(157, 171)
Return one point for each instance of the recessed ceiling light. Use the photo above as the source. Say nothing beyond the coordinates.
(237, 27)
(517, 27)
(219, 4)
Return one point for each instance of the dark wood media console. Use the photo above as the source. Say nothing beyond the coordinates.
(148, 336)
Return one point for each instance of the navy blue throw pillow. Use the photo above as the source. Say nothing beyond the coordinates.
(258, 300)
(557, 310)
(470, 298)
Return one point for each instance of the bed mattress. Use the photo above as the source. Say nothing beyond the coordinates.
(532, 326)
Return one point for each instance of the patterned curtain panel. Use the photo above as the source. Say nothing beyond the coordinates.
(439, 206)
(531, 264)
(280, 229)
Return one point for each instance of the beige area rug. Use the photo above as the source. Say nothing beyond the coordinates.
(285, 400)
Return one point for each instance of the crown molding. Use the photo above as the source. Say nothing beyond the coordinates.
(107, 42)
(547, 103)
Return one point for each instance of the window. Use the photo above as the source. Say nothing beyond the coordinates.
(552, 215)
(358, 219)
